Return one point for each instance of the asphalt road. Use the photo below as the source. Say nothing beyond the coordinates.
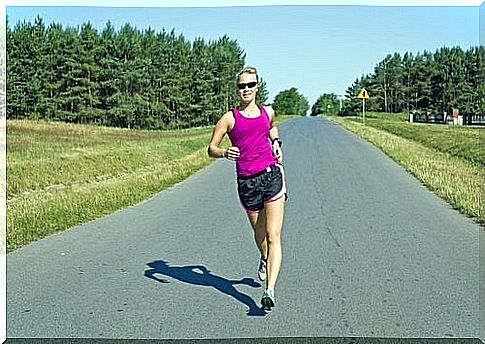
(368, 251)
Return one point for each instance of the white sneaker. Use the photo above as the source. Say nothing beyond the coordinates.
(262, 269)
(267, 301)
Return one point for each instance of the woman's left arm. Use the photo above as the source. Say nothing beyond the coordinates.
(274, 135)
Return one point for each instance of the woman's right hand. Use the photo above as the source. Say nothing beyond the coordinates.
(232, 153)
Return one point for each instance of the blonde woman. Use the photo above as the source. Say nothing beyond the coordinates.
(256, 150)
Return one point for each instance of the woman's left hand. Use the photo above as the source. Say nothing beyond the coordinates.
(278, 153)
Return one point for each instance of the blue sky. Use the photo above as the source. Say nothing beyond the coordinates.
(482, 24)
(317, 49)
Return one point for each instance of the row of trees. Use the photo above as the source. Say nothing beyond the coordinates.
(436, 82)
(158, 80)
(127, 78)
(450, 78)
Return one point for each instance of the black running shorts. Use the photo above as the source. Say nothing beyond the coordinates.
(262, 187)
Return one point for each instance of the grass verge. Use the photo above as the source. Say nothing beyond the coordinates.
(456, 178)
(460, 141)
(61, 175)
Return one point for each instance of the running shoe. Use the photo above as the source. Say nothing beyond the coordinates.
(262, 269)
(267, 301)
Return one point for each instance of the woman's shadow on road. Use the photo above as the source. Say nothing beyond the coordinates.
(199, 275)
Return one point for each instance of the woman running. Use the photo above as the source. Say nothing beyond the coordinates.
(256, 149)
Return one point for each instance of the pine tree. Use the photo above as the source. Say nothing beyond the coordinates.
(202, 96)
(262, 95)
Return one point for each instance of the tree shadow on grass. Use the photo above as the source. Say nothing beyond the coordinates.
(200, 275)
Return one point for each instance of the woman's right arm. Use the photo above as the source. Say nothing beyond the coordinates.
(220, 130)
(218, 133)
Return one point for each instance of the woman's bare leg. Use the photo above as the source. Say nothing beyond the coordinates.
(258, 223)
(274, 222)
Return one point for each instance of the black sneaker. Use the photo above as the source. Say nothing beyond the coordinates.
(262, 269)
(267, 301)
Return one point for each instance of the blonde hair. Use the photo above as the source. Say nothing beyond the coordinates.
(248, 70)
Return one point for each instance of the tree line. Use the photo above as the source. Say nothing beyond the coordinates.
(439, 82)
(449, 78)
(159, 80)
(126, 78)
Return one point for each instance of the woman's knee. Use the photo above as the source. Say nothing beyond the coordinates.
(273, 238)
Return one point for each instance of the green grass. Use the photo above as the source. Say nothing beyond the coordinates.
(445, 159)
(60, 175)
(461, 141)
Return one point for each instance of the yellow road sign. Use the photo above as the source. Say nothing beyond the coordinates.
(363, 94)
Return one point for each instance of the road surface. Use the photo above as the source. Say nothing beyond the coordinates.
(368, 252)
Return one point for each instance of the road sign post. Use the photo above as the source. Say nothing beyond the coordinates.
(363, 94)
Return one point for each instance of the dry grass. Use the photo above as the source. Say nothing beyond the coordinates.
(60, 175)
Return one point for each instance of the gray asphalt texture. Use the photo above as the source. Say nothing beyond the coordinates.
(368, 252)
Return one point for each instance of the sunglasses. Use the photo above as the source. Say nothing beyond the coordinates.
(242, 86)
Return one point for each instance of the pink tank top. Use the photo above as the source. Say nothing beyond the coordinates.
(251, 136)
